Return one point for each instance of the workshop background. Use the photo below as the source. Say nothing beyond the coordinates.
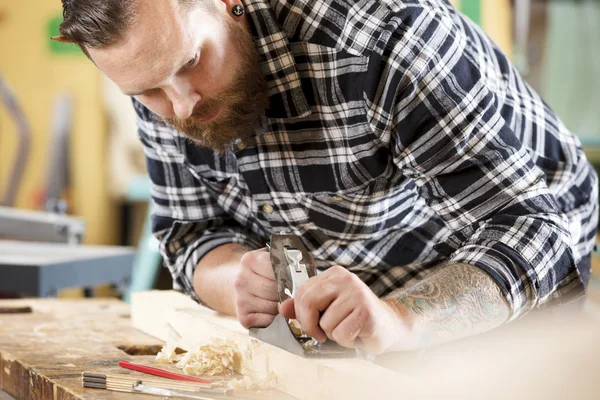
(50, 90)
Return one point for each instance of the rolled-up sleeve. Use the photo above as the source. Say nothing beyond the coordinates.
(449, 134)
(186, 220)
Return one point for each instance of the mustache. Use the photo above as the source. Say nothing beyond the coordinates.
(221, 101)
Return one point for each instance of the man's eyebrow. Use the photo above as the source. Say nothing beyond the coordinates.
(137, 93)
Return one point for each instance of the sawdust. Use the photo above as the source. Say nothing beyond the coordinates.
(167, 354)
(295, 327)
(219, 358)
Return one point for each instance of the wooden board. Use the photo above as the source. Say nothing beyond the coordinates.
(300, 377)
(549, 355)
(43, 353)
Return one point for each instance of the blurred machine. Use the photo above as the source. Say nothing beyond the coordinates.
(41, 252)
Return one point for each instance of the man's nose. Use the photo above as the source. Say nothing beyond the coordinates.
(184, 102)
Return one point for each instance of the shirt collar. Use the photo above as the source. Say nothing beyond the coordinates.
(286, 97)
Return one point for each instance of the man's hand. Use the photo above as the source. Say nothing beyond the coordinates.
(338, 305)
(256, 297)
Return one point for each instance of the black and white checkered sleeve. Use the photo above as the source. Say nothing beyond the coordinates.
(186, 220)
(449, 133)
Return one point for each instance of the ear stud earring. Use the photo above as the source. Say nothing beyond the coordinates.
(238, 10)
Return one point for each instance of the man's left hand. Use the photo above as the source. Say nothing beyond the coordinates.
(338, 305)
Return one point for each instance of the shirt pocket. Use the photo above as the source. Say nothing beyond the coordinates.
(359, 215)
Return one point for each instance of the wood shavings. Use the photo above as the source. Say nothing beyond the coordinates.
(295, 327)
(310, 344)
(218, 357)
(167, 355)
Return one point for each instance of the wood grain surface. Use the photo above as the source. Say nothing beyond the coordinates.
(43, 353)
(549, 354)
(303, 378)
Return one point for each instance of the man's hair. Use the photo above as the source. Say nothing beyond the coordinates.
(98, 23)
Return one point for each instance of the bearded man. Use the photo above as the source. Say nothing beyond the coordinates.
(439, 195)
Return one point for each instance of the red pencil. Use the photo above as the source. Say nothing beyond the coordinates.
(161, 372)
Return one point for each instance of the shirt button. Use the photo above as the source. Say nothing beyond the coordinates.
(267, 208)
(336, 198)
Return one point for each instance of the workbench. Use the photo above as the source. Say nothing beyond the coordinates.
(44, 352)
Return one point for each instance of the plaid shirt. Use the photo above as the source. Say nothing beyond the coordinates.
(398, 137)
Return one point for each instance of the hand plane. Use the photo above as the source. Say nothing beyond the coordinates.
(292, 266)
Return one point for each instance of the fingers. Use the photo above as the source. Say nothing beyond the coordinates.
(335, 314)
(259, 261)
(256, 290)
(256, 320)
(286, 309)
(347, 331)
(313, 297)
(253, 304)
(335, 305)
(256, 277)
(260, 287)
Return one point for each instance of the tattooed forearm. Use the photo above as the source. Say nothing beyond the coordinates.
(457, 301)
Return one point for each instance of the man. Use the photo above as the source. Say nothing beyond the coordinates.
(439, 196)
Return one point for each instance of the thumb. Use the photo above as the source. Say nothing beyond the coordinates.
(286, 309)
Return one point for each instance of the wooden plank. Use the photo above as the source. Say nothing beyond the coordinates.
(43, 353)
(300, 377)
(548, 354)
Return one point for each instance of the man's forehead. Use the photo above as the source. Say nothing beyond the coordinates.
(150, 50)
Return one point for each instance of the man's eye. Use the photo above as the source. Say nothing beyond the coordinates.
(192, 63)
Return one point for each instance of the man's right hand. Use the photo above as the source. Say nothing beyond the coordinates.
(256, 298)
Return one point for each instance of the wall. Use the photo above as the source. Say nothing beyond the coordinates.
(37, 75)
(494, 16)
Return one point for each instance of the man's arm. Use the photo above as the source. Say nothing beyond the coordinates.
(453, 134)
(215, 275)
(458, 300)
(195, 234)
(236, 280)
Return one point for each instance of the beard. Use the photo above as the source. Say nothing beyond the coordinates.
(241, 104)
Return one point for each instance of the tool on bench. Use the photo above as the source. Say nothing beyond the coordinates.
(162, 372)
(293, 265)
(16, 310)
(138, 387)
(135, 384)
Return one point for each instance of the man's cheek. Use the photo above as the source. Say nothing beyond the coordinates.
(160, 108)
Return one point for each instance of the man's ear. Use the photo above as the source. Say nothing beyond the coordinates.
(61, 39)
